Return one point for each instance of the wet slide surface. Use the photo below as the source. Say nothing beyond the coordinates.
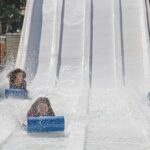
(68, 49)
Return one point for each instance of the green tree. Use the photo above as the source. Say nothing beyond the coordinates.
(11, 18)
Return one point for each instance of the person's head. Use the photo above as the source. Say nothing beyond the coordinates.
(41, 107)
(17, 75)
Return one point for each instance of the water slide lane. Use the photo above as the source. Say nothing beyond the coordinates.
(135, 42)
(28, 52)
(103, 73)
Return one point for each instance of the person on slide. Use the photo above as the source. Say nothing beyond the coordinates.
(41, 107)
(17, 79)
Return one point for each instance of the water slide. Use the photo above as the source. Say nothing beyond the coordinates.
(91, 58)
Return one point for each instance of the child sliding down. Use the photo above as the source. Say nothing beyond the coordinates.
(17, 79)
(41, 107)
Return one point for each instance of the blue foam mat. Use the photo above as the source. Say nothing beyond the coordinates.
(21, 93)
(45, 124)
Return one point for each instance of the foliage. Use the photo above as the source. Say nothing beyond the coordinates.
(11, 18)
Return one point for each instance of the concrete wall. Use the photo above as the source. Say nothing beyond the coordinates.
(12, 43)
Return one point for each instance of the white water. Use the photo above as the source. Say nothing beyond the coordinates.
(68, 46)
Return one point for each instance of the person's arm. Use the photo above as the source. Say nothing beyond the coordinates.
(52, 112)
(24, 85)
(30, 114)
(11, 86)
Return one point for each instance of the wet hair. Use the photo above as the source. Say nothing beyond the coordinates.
(12, 75)
(33, 109)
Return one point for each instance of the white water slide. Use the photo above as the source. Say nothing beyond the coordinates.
(91, 58)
